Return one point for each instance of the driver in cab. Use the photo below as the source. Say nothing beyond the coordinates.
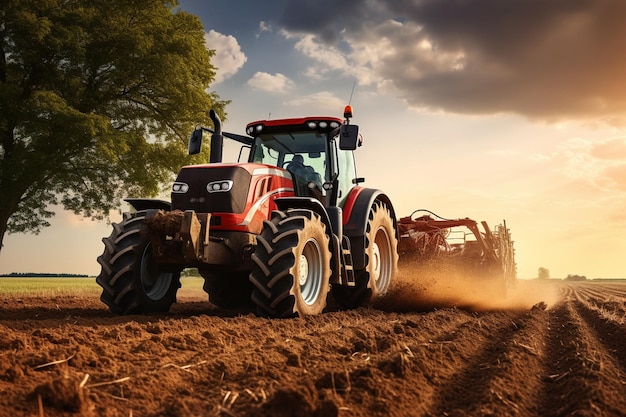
(305, 174)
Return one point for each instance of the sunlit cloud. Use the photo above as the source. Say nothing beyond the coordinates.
(600, 163)
(228, 58)
(272, 83)
(613, 148)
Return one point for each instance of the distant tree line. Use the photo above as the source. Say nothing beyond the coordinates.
(190, 272)
(42, 275)
(571, 277)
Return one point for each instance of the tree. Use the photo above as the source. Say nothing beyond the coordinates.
(97, 99)
(575, 277)
(543, 273)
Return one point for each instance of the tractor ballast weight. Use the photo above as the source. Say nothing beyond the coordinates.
(285, 230)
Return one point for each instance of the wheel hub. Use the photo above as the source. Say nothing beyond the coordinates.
(310, 272)
(382, 262)
(304, 270)
(376, 261)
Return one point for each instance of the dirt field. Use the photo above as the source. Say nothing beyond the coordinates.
(486, 357)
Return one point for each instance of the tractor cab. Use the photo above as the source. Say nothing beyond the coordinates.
(317, 151)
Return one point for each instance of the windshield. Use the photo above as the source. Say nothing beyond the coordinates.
(279, 149)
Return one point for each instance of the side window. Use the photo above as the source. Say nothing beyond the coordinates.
(264, 155)
(244, 153)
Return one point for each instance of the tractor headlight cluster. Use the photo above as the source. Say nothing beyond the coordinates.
(323, 124)
(180, 188)
(219, 186)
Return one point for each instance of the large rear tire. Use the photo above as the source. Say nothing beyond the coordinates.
(291, 266)
(381, 261)
(130, 278)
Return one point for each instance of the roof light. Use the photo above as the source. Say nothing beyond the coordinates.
(311, 125)
(347, 111)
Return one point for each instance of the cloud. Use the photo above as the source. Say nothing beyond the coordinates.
(272, 83)
(545, 59)
(228, 58)
(614, 148)
(264, 27)
(325, 18)
(600, 163)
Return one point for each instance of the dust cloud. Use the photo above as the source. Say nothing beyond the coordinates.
(423, 288)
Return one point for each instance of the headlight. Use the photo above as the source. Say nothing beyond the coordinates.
(219, 186)
(180, 188)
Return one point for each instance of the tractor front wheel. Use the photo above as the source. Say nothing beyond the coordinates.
(131, 280)
(291, 265)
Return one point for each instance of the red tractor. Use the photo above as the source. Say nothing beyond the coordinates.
(285, 230)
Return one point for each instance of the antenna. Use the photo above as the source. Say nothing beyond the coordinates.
(352, 92)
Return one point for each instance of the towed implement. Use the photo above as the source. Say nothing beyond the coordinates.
(458, 246)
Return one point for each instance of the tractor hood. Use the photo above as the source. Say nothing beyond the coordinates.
(211, 188)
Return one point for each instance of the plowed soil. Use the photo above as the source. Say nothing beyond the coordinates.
(422, 352)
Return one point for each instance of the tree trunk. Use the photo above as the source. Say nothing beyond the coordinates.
(4, 220)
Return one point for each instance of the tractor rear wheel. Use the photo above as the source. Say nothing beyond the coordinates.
(381, 261)
(130, 278)
(291, 266)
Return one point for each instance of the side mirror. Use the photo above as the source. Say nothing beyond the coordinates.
(195, 141)
(348, 137)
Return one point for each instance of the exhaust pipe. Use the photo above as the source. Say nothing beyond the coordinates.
(217, 140)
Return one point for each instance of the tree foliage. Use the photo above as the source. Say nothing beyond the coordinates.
(543, 273)
(575, 277)
(97, 99)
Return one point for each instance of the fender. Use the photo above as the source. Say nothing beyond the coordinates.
(308, 203)
(149, 203)
(356, 214)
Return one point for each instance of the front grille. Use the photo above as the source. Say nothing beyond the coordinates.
(197, 197)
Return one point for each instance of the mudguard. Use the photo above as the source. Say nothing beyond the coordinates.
(149, 203)
(355, 215)
(308, 203)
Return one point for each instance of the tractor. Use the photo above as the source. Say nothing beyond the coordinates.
(285, 232)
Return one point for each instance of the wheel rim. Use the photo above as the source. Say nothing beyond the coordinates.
(376, 261)
(310, 272)
(155, 283)
(382, 261)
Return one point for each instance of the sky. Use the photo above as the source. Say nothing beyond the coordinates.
(494, 110)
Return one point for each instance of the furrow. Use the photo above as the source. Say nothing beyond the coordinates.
(578, 370)
(610, 333)
(487, 358)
